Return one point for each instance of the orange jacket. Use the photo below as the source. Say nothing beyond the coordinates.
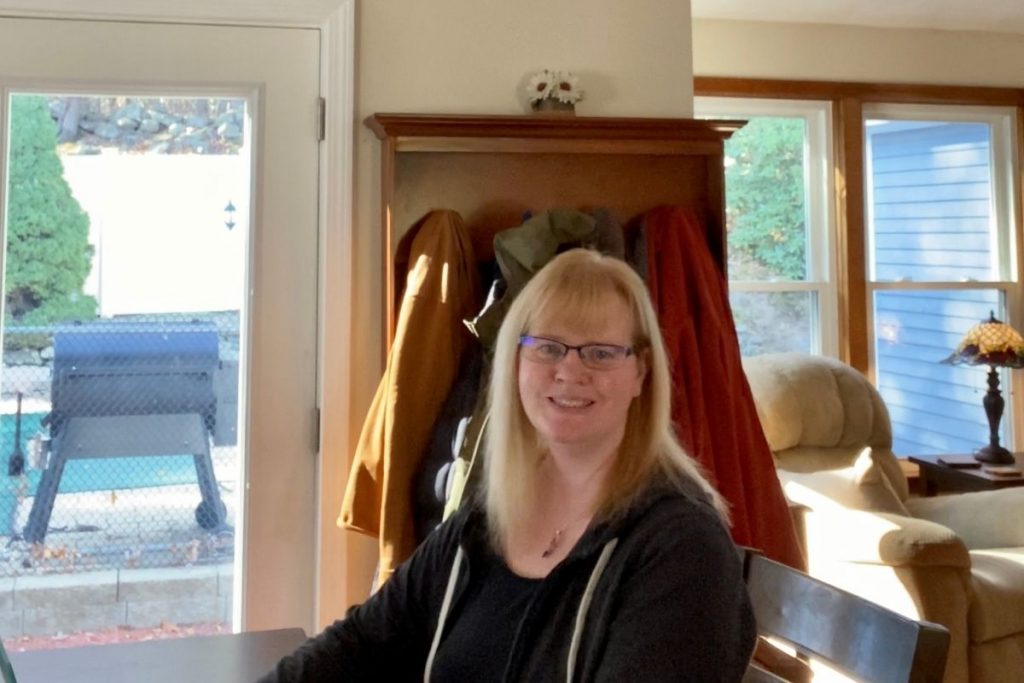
(442, 289)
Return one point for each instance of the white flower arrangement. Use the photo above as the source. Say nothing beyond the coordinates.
(553, 85)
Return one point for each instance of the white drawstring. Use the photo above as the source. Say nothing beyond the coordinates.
(446, 604)
(581, 613)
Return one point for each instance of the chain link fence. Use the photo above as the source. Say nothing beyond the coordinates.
(120, 438)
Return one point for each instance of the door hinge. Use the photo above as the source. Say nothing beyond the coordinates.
(316, 430)
(321, 134)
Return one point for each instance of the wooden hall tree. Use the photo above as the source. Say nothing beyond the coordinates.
(494, 169)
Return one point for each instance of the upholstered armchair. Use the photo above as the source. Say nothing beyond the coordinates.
(957, 560)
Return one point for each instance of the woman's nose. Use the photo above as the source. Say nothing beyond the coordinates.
(571, 366)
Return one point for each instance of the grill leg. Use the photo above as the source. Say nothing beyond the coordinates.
(211, 513)
(42, 506)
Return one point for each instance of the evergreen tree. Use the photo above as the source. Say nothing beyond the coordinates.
(48, 251)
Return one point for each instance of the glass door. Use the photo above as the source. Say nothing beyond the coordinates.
(157, 388)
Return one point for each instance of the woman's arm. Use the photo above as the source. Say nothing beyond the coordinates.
(386, 637)
(682, 611)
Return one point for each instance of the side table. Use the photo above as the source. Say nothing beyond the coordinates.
(936, 476)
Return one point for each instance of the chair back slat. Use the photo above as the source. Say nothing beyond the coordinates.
(755, 674)
(854, 635)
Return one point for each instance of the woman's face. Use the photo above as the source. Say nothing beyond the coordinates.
(574, 408)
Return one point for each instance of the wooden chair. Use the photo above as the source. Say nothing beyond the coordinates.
(821, 622)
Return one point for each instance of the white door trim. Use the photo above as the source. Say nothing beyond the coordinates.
(295, 13)
(336, 21)
(336, 286)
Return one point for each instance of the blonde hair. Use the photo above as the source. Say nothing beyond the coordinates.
(575, 287)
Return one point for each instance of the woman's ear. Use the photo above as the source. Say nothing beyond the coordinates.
(643, 366)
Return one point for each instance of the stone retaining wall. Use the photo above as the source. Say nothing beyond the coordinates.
(184, 125)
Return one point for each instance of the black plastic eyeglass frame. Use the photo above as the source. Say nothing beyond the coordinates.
(531, 341)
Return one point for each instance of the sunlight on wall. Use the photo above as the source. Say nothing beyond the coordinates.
(157, 225)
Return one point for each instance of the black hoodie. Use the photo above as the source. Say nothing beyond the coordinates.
(668, 604)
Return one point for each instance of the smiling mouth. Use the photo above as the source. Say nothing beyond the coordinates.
(570, 402)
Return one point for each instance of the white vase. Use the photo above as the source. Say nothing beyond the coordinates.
(554, 107)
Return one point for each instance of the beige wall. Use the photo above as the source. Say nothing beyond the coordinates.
(847, 53)
(473, 57)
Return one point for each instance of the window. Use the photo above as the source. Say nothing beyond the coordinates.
(927, 203)
(779, 223)
(939, 218)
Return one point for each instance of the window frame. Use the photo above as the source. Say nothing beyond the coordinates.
(819, 205)
(852, 281)
(1003, 227)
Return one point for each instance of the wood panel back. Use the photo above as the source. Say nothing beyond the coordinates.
(493, 192)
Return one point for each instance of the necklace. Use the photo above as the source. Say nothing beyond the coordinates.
(556, 540)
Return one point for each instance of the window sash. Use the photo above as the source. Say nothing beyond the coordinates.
(962, 420)
(1002, 126)
(819, 207)
(971, 411)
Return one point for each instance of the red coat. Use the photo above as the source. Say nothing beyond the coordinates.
(712, 406)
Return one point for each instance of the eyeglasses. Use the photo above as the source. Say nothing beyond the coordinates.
(594, 356)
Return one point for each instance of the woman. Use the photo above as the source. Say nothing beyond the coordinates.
(596, 552)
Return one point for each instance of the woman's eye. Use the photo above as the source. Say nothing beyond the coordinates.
(549, 350)
(601, 353)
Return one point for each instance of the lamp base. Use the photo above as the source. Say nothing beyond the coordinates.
(994, 455)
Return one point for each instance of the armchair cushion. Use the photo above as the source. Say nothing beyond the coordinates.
(997, 607)
(857, 536)
(825, 403)
(861, 486)
(985, 519)
(818, 413)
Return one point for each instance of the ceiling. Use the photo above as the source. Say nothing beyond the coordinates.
(1005, 16)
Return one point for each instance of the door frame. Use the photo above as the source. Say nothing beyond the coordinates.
(335, 557)
(335, 19)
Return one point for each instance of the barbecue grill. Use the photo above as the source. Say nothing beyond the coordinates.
(125, 388)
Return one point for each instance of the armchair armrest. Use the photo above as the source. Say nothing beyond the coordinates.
(986, 519)
(884, 538)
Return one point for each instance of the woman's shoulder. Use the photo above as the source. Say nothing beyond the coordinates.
(677, 514)
(466, 527)
(676, 495)
(441, 544)
(682, 505)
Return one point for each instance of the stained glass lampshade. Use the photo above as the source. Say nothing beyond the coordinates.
(997, 345)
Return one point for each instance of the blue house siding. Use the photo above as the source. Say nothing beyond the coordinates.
(931, 180)
(931, 222)
(934, 407)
